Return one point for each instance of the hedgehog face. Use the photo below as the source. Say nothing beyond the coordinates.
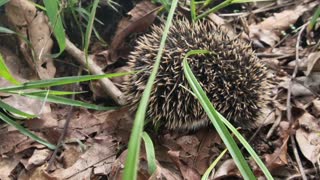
(232, 76)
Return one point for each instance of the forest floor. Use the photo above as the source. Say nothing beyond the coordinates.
(284, 34)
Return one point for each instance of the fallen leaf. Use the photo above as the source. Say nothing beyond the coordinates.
(38, 158)
(309, 143)
(269, 30)
(11, 141)
(313, 62)
(40, 38)
(188, 173)
(189, 144)
(20, 12)
(142, 16)
(228, 168)
(7, 165)
(309, 122)
(97, 153)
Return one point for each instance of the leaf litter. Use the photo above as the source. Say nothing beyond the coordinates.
(95, 142)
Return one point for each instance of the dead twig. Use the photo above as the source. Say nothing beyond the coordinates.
(106, 84)
(289, 113)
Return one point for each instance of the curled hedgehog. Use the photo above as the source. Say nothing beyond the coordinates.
(232, 76)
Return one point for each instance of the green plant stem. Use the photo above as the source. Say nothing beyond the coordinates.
(215, 9)
(132, 161)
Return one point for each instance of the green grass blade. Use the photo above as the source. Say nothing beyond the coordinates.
(218, 124)
(247, 146)
(215, 9)
(132, 161)
(212, 165)
(60, 81)
(151, 157)
(314, 18)
(89, 27)
(15, 111)
(5, 73)
(6, 30)
(50, 92)
(53, 12)
(248, 1)
(67, 101)
(3, 2)
(193, 10)
(25, 131)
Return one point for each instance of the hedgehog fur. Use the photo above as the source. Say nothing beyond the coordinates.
(232, 76)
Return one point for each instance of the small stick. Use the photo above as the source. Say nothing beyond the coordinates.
(289, 113)
(106, 84)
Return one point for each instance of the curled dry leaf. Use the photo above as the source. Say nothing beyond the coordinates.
(142, 16)
(20, 12)
(189, 144)
(187, 172)
(316, 108)
(279, 156)
(269, 30)
(309, 143)
(22, 15)
(228, 168)
(39, 35)
(38, 157)
(97, 153)
(313, 62)
(309, 122)
(12, 139)
(7, 166)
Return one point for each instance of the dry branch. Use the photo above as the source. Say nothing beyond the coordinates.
(106, 84)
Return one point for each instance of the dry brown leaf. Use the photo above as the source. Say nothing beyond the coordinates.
(277, 159)
(20, 12)
(309, 122)
(40, 38)
(22, 15)
(11, 141)
(189, 144)
(70, 155)
(38, 158)
(164, 173)
(315, 108)
(142, 16)
(269, 30)
(7, 165)
(303, 85)
(18, 68)
(227, 168)
(313, 62)
(309, 143)
(188, 173)
(97, 153)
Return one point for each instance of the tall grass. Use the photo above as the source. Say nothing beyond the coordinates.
(132, 161)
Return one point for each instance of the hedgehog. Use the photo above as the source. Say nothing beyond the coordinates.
(232, 76)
